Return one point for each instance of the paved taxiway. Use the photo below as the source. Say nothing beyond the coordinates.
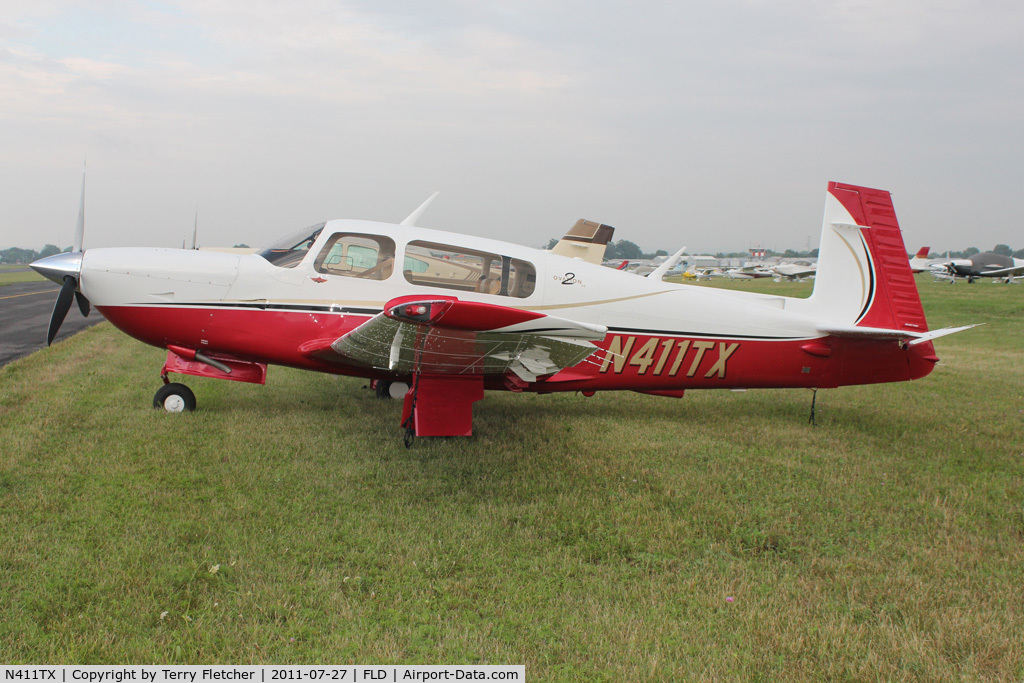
(25, 315)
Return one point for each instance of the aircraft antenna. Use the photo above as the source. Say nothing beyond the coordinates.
(666, 265)
(411, 219)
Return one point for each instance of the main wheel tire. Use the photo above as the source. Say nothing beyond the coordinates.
(175, 398)
(382, 388)
(397, 390)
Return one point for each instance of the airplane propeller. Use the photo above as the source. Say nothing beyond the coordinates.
(61, 307)
(66, 270)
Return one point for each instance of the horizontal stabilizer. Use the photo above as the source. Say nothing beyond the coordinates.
(883, 333)
(849, 226)
(1011, 271)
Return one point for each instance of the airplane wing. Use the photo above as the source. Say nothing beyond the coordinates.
(794, 271)
(1011, 271)
(448, 336)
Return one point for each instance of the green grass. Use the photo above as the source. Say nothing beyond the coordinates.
(590, 539)
(10, 275)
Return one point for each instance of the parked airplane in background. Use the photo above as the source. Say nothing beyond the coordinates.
(443, 316)
(985, 264)
(942, 276)
(699, 273)
(644, 266)
(740, 273)
(920, 262)
(794, 271)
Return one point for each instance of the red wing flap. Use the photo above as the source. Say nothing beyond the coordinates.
(442, 405)
(241, 370)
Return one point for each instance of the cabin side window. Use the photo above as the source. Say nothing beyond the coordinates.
(450, 267)
(371, 257)
(289, 252)
(522, 278)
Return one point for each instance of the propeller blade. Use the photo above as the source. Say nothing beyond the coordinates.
(80, 225)
(61, 307)
(83, 304)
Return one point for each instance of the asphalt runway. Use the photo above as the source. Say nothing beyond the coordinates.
(25, 310)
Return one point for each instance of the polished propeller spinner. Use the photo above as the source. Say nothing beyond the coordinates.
(66, 271)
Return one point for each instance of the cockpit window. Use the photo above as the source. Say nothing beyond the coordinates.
(289, 252)
(355, 255)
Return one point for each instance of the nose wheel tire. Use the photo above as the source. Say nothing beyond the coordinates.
(175, 398)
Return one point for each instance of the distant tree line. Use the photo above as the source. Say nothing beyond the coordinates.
(16, 255)
(1001, 249)
(789, 253)
(624, 249)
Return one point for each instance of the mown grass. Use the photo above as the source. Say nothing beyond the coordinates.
(10, 275)
(590, 539)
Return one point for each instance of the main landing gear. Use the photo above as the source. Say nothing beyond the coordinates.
(387, 390)
(435, 405)
(175, 398)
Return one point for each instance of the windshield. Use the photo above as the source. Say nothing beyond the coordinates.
(288, 252)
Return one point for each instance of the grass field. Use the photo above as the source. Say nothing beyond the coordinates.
(621, 537)
(10, 275)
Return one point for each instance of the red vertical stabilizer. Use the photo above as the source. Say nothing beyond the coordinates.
(894, 302)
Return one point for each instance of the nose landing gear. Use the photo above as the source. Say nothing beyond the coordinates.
(175, 398)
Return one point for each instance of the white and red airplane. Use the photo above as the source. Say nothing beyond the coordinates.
(920, 261)
(443, 316)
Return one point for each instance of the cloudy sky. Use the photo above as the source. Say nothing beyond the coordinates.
(713, 125)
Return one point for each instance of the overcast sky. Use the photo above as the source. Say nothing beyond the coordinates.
(709, 124)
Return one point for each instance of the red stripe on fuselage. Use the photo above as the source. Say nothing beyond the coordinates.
(638, 362)
(620, 361)
(262, 336)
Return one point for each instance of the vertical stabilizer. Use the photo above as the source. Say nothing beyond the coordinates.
(863, 275)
